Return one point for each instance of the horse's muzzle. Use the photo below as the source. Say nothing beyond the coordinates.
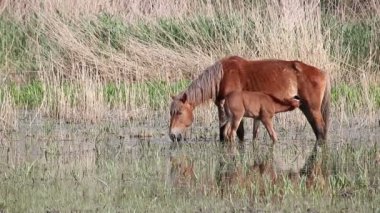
(175, 137)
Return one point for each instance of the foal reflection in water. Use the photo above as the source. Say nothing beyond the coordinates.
(257, 105)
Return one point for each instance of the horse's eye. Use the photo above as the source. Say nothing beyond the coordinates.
(179, 113)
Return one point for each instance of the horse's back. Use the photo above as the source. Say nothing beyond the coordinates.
(267, 66)
(280, 78)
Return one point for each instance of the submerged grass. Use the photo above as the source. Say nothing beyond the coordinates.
(144, 178)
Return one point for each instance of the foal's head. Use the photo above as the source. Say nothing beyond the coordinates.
(181, 116)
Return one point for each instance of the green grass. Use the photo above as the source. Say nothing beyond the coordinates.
(29, 95)
(110, 30)
(156, 94)
(170, 32)
(13, 44)
(356, 38)
(353, 97)
(153, 94)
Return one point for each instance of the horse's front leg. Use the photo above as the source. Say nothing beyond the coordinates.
(222, 119)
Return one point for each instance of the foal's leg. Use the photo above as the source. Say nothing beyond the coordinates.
(267, 121)
(256, 125)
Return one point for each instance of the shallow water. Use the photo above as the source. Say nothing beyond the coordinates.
(107, 157)
(38, 138)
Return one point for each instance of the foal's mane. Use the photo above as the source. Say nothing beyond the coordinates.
(206, 86)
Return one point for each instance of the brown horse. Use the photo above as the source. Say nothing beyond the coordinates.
(278, 78)
(257, 105)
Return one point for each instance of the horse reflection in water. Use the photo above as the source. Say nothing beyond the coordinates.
(277, 78)
(233, 174)
(261, 172)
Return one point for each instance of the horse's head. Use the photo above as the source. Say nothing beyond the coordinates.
(181, 116)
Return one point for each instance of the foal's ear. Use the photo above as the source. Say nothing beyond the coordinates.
(183, 98)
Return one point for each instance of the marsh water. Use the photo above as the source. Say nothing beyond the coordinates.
(37, 138)
(51, 165)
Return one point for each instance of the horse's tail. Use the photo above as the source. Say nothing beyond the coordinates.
(325, 107)
(227, 112)
(226, 122)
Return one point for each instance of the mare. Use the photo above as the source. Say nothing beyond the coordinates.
(255, 105)
(278, 78)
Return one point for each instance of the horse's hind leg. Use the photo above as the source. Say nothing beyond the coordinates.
(227, 131)
(240, 131)
(315, 119)
(234, 126)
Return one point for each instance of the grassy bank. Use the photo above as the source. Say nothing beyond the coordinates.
(156, 95)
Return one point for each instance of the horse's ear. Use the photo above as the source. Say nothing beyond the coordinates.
(183, 98)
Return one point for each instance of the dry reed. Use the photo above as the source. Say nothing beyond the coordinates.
(71, 43)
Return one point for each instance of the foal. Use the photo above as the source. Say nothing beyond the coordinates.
(256, 105)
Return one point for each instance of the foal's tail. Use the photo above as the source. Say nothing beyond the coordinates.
(325, 107)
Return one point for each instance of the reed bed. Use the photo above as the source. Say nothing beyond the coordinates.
(53, 51)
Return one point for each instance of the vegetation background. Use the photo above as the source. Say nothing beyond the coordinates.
(76, 75)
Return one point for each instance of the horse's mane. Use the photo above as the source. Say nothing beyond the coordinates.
(206, 86)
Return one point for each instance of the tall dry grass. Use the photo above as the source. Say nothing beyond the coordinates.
(86, 45)
(8, 114)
